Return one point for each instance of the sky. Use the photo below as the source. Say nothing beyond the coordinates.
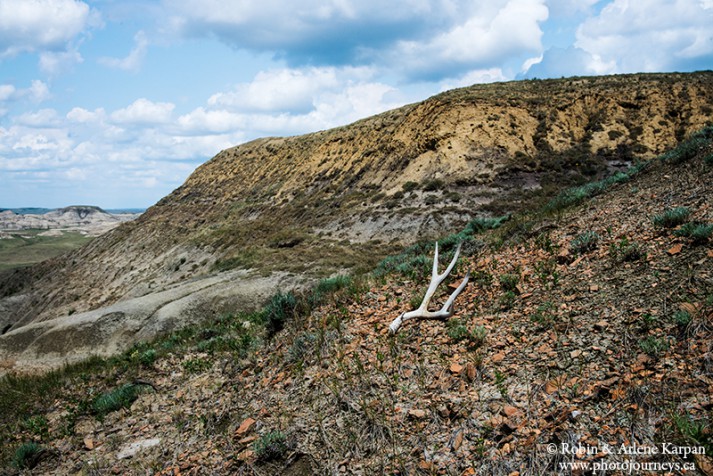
(116, 102)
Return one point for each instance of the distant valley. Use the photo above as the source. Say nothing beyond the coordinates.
(32, 235)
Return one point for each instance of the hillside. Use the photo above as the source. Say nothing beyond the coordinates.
(588, 324)
(291, 210)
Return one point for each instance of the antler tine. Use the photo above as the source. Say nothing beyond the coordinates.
(436, 280)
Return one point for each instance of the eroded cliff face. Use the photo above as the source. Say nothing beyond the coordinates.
(338, 199)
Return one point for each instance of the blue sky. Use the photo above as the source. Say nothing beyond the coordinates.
(114, 103)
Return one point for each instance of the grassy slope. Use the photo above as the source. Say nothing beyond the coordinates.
(554, 342)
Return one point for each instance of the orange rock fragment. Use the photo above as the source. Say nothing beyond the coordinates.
(245, 426)
(675, 249)
(456, 368)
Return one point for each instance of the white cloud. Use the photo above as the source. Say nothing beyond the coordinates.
(7, 91)
(132, 62)
(41, 119)
(277, 90)
(648, 35)
(55, 62)
(143, 111)
(37, 92)
(485, 39)
(38, 25)
(79, 114)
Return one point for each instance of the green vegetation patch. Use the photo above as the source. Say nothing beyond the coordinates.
(28, 247)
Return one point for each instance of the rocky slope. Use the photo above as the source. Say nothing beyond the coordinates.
(585, 337)
(337, 199)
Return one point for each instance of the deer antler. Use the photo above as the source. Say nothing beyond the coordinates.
(436, 279)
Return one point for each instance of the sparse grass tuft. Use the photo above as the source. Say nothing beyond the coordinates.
(671, 218)
(460, 333)
(271, 446)
(698, 233)
(280, 308)
(27, 456)
(584, 243)
(653, 346)
(625, 250)
(117, 399)
(509, 282)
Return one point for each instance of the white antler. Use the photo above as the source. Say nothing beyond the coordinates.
(436, 279)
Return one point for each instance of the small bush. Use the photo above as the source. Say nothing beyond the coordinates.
(409, 186)
(671, 218)
(195, 366)
(271, 446)
(507, 300)
(653, 346)
(708, 159)
(625, 250)
(584, 242)
(544, 316)
(147, 358)
(327, 287)
(278, 310)
(695, 432)
(37, 425)
(460, 333)
(697, 232)
(433, 185)
(509, 282)
(121, 397)
(682, 318)
(301, 347)
(27, 456)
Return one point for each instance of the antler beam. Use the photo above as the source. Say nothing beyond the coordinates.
(436, 279)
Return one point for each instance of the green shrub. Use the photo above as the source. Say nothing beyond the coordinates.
(507, 300)
(271, 446)
(301, 347)
(695, 432)
(121, 397)
(584, 242)
(671, 218)
(509, 282)
(708, 159)
(653, 346)
(278, 310)
(625, 250)
(686, 150)
(544, 315)
(433, 185)
(197, 365)
(682, 318)
(37, 425)
(328, 286)
(27, 456)
(147, 358)
(409, 186)
(697, 232)
(460, 333)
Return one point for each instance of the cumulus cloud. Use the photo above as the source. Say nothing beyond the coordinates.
(434, 38)
(501, 30)
(143, 111)
(641, 36)
(132, 62)
(39, 25)
(649, 35)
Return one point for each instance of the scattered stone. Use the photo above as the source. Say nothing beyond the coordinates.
(129, 450)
